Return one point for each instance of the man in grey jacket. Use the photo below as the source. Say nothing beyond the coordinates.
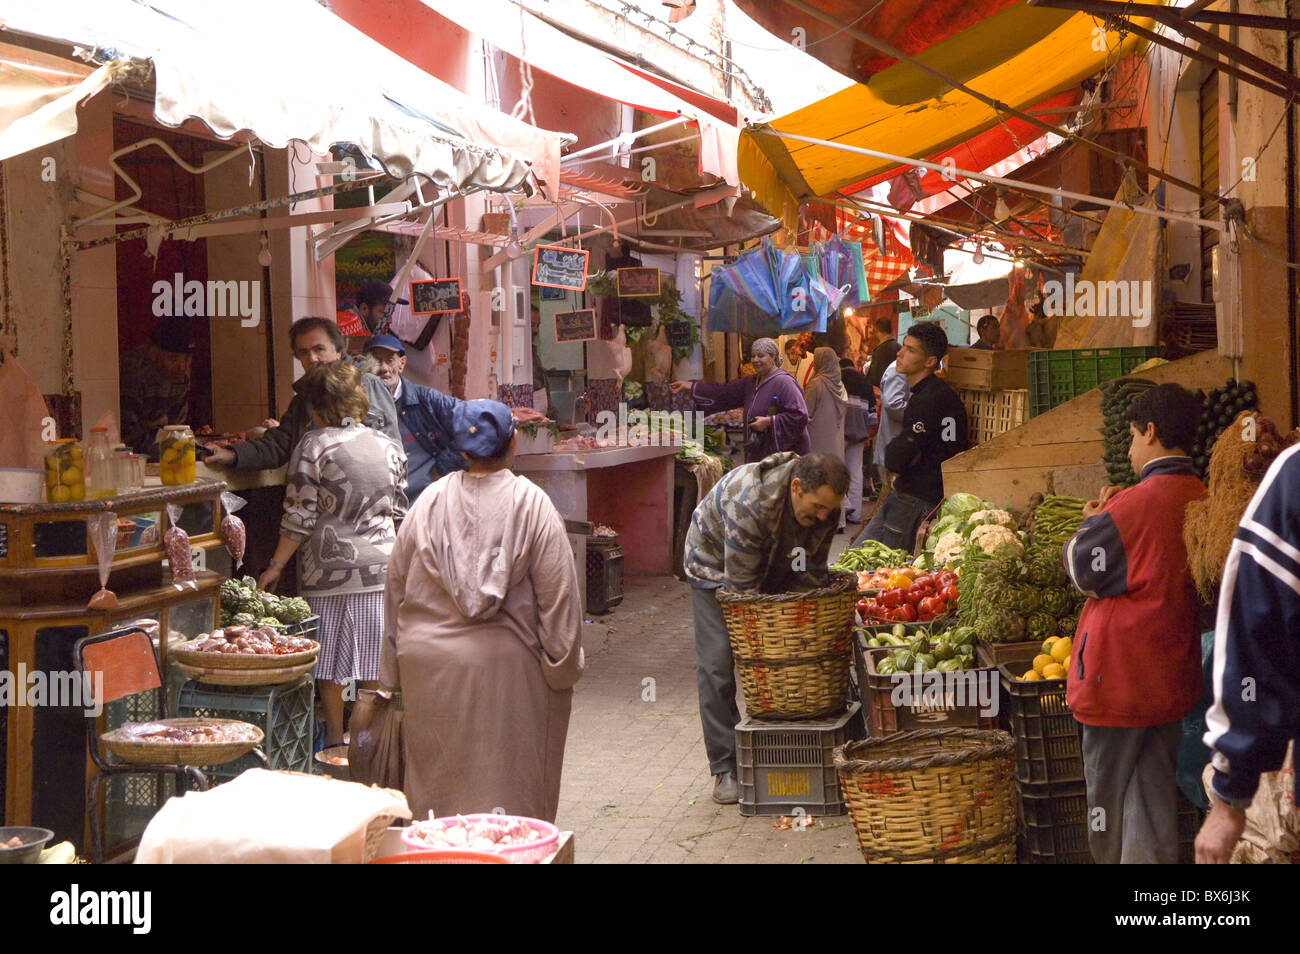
(765, 527)
(314, 341)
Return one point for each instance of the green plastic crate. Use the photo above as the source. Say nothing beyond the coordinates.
(283, 712)
(1059, 376)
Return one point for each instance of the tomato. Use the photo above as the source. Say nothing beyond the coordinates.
(891, 597)
(949, 593)
(907, 613)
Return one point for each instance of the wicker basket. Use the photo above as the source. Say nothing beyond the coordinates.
(217, 676)
(182, 653)
(793, 650)
(932, 796)
(139, 752)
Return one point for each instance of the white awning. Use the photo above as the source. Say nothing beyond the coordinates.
(39, 94)
(291, 70)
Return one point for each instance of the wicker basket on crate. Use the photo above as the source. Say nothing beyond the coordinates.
(793, 650)
(932, 796)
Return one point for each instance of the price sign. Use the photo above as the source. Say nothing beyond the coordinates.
(575, 325)
(438, 296)
(638, 282)
(555, 266)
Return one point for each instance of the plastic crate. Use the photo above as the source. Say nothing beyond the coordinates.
(604, 574)
(306, 627)
(1055, 822)
(990, 413)
(1190, 818)
(1049, 745)
(783, 766)
(283, 713)
(1059, 376)
(960, 708)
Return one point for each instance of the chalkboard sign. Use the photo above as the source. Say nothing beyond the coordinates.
(557, 267)
(438, 296)
(553, 294)
(638, 282)
(678, 334)
(575, 325)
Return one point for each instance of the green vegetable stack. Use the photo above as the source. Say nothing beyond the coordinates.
(922, 650)
(1221, 407)
(243, 604)
(872, 555)
(1055, 520)
(1010, 600)
(1116, 396)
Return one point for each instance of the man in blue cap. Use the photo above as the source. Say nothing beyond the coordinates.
(424, 416)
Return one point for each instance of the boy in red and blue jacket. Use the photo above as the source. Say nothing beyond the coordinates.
(1136, 664)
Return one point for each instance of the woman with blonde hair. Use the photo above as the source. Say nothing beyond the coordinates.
(344, 494)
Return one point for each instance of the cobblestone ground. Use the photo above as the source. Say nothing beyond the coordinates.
(636, 784)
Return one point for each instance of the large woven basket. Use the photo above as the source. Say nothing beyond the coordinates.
(793, 650)
(932, 796)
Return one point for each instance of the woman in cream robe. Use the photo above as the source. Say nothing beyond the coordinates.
(483, 639)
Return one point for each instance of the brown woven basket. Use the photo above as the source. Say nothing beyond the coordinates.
(932, 796)
(216, 676)
(793, 650)
(181, 753)
(182, 652)
(795, 688)
(791, 625)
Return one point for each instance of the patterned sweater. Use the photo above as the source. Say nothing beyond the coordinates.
(744, 537)
(344, 492)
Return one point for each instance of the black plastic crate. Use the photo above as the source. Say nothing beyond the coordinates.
(783, 766)
(1054, 818)
(283, 713)
(604, 574)
(1049, 744)
(1190, 818)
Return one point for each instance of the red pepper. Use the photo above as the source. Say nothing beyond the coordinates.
(949, 593)
(947, 578)
(891, 597)
(907, 613)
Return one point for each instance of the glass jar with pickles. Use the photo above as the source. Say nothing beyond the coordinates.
(65, 471)
(176, 455)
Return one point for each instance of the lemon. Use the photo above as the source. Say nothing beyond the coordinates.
(78, 491)
(1054, 671)
(60, 494)
(73, 476)
(1061, 650)
(1041, 661)
(1047, 644)
(1031, 676)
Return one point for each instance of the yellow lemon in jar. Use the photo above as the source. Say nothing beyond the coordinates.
(51, 479)
(171, 455)
(1062, 649)
(52, 462)
(73, 476)
(60, 494)
(187, 473)
(75, 452)
(78, 491)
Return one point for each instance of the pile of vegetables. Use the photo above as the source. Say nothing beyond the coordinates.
(922, 650)
(243, 604)
(1010, 599)
(927, 597)
(966, 522)
(1055, 521)
(1116, 396)
(1221, 407)
(872, 555)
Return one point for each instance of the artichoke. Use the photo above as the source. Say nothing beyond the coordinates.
(243, 619)
(269, 621)
(1056, 602)
(1046, 569)
(1039, 626)
(1067, 625)
(1024, 599)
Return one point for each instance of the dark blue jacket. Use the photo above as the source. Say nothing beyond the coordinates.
(1257, 638)
(424, 418)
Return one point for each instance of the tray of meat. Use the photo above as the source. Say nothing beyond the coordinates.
(246, 647)
(182, 741)
(522, 840)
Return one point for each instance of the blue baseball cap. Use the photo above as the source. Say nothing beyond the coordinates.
(383, 341)
(482, 428)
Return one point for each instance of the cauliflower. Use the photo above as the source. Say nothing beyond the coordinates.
(991, 536)
(948, 548)
(993, 517)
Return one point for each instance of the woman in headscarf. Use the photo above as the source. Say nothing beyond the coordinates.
(483, 632)
(776, 418)
(826, 400)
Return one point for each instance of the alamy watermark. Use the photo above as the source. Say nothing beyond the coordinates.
(210, 299)
(1104, 299)
(649, 428)
(934, 693)
(60, 688)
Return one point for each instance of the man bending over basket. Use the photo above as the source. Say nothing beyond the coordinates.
(765, 527)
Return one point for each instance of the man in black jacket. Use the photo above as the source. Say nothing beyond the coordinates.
(885, 350)
(934, 429)
(314, 340)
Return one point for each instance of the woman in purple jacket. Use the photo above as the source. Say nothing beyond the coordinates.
(776, 417)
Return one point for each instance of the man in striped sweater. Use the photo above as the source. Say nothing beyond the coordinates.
(1256, 709)
(765, 527)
